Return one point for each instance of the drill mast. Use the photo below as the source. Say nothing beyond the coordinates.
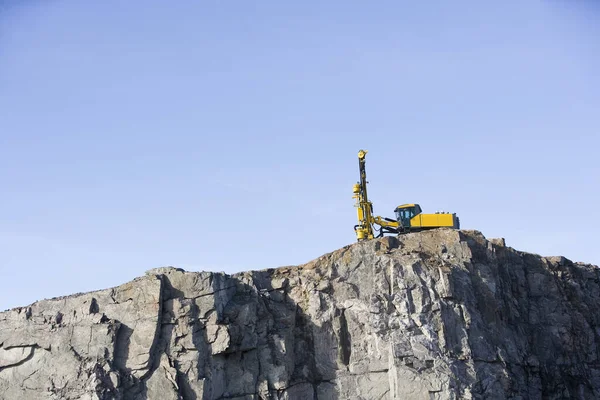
(364, 229)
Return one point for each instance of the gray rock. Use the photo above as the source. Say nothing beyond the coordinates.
(442, 315)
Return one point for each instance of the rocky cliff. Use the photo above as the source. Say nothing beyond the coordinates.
(435, 315)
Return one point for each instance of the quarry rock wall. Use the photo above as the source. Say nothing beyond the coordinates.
(442, 314)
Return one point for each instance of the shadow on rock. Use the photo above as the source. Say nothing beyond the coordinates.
(237, 337)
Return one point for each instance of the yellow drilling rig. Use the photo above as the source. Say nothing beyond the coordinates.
(409, 217)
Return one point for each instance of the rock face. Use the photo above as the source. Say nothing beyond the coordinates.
(442, 314)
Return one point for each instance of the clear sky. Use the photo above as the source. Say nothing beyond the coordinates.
(222, 135)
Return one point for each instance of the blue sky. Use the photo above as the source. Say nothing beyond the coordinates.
(222, 135)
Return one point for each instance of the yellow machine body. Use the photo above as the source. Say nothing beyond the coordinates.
(432, 221)
(409, 217)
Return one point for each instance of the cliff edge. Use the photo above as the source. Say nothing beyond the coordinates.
(442, 314)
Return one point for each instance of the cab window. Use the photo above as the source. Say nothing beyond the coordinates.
(405, 214)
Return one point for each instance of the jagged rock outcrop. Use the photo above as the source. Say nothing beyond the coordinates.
(434, 315)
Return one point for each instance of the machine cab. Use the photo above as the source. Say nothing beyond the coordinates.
(405, 213)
